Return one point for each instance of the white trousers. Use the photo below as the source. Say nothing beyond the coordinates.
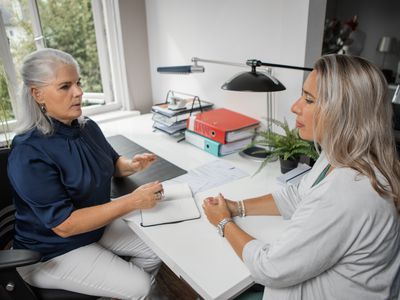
(97, 269)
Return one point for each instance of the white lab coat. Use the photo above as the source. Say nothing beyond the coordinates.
(343, 241)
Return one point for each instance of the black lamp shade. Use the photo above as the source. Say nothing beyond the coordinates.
(253, 82)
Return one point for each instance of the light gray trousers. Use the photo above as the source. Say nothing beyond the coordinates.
(97, 269)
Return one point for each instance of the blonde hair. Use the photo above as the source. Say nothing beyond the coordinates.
(39, 69)
(354, 119)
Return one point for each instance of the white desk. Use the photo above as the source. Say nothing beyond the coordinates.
(193, 250)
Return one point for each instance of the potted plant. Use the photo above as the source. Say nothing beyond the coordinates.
(287, 147)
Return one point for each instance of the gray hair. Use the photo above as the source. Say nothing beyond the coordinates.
(39, 69)
(353, 119)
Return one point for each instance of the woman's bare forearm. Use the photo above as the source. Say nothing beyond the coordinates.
(237, 237)
(122, 167)
(261, 206)
(94, 217)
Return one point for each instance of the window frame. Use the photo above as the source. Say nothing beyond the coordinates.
(107, 23)
(8, 65)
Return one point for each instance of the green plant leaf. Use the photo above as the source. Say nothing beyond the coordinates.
(287, 146)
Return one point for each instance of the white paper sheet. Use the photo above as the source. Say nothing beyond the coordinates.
(210, 175)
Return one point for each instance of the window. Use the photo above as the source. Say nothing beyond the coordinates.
(84, 28)
(5, 103)
(68, 26)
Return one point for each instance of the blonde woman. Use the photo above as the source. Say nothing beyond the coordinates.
(343, 239)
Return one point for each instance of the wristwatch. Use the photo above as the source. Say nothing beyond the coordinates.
(221, 226)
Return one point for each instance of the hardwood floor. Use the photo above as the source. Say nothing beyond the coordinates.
(170, 287)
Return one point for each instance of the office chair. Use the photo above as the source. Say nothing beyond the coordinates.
(12, 286)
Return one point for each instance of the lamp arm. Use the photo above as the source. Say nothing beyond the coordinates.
(257, 63)
(249, 62)
(196, 68)
(195, 60)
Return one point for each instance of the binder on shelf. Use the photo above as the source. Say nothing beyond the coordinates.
(214, 147)
(240, 134)
(222, 125)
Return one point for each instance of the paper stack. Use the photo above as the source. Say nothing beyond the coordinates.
(171, 118)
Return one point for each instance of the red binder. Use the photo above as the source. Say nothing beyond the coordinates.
(217, 124)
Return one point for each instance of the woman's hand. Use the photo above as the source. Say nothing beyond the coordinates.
(216, 209)
(142, 161)
(147, 195)
(233, 207)
(125, 166)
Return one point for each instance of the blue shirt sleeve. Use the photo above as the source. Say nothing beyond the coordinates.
(36, 179)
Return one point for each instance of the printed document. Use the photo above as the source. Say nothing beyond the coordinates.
(210, 175)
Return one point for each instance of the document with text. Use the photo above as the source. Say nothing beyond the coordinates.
(210, 175)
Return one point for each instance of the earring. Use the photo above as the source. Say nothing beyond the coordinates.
(42, 107)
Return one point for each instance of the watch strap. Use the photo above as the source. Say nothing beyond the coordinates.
(221, 226)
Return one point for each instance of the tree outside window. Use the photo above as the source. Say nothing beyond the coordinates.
(66, 25)
(5, 103)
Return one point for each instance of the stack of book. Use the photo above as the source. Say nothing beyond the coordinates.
(220, 131)
(171, 118)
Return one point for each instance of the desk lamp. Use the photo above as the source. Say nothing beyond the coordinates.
(386, 45)
(252, 81)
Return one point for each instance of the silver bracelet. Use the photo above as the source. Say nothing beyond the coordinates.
(241, 209)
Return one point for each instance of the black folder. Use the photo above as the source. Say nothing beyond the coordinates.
(161, 170)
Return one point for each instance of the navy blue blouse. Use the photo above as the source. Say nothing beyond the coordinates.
(54, 175)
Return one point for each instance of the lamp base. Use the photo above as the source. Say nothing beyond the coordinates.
(255, 153)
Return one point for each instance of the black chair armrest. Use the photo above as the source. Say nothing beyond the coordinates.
(13, 258)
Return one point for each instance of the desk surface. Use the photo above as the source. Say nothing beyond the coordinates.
(193, 250)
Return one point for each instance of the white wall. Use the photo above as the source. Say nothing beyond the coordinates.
(232, 30)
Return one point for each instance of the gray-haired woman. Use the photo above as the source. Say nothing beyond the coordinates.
(60, 167)
(343, 238)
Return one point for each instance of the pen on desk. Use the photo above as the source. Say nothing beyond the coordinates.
(297, 175)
